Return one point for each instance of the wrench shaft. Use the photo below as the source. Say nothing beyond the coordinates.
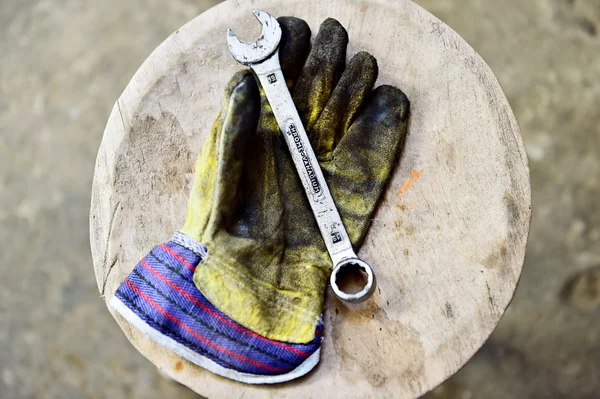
(328, 219)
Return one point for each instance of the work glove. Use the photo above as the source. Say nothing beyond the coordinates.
(239, 289)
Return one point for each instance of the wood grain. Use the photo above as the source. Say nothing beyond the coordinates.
(448, 241)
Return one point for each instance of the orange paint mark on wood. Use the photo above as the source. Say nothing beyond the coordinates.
(407, 185)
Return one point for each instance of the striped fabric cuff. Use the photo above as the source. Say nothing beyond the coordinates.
(159, 297)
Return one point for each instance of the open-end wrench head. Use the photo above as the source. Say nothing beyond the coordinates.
(260, 49)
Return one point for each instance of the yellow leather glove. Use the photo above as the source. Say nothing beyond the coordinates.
(266, 265)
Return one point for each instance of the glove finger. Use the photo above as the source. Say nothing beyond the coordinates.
(365, 157)
(294, 47)
(321, 72)
(261, 212)
(238, 123)
(353, 88)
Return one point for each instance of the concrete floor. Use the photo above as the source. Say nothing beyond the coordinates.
(65, 62)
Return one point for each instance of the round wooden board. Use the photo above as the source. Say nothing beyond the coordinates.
(448, 241)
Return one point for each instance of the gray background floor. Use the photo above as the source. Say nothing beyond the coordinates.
(64, 63)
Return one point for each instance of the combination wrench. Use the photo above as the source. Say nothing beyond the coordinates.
(262, 56)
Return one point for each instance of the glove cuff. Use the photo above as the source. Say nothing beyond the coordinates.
(159, 298)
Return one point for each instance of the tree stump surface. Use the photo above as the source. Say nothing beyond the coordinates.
(447, 243)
